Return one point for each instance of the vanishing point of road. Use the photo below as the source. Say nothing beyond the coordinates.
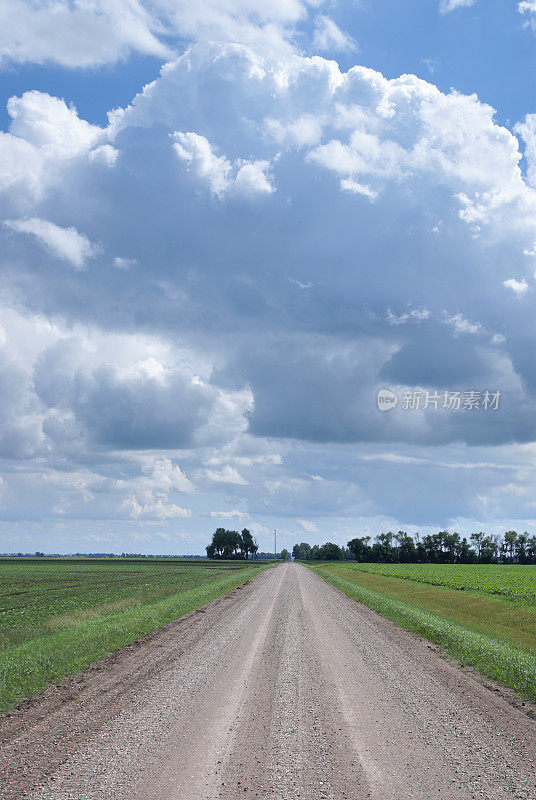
(283, 689)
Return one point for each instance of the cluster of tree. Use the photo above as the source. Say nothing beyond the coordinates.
(325, 552)
(435, 548)
(231, 544)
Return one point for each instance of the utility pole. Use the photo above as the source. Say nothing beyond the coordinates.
(275, 543)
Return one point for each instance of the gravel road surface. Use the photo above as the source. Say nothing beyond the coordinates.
(282, 689)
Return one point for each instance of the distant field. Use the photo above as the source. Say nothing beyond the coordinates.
(59, 615)
(484, 615)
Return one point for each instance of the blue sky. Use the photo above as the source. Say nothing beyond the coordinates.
(225, 227)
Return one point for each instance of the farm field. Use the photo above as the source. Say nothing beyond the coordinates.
(483, 615)
(512, 581)
(59, 615)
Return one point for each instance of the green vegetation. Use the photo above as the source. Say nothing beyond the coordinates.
(483, 615)
(57, 616)
(327, 552)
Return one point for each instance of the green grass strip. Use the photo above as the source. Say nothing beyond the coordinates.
(508, 664)
(27, 668)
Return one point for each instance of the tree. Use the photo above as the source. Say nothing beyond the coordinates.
(211, 550)
(225, 544)
(285, 555)
(406, 551)
(489, 548)
(382, 549)
(465, 554)
(510, 543)
(360, 548)
(254, 549)
(301, 551)
(329, 552)
(520, 546)
(477, 538)
(247, 542)
(531, 550)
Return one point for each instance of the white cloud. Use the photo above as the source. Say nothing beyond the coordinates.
(461, 325)
(197, 153)
(47, 122)
(77, 35)
(226, 474)
(94, 32)
(124, 263)
(527, 131)
(64, 243)
(163, 474)
(156, 509)
(415, 315)
(235, 514)
(329, 37)
(354, 187)
(518, 287)
(307, 525)
(528, 7)
(300, 284)
(241, 178)
(450, 5)
(45, 137)
(304, 131)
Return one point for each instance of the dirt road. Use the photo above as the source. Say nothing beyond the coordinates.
(284, 689)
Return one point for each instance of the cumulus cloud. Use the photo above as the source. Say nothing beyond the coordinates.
(154, 509)
(145, 407)
(246, 341)
(241, 178)
(46, 137)
(527, 131)
(64, 243)
(303, 131)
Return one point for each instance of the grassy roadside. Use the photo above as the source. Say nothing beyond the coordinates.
(71, 644)
(476, 636)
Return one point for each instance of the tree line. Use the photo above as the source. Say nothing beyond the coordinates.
(434, 548)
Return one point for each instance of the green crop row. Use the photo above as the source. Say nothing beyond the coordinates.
(513, 581)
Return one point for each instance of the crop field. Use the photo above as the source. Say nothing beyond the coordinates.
(483, 615)
(513, 581)
(59, 615)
